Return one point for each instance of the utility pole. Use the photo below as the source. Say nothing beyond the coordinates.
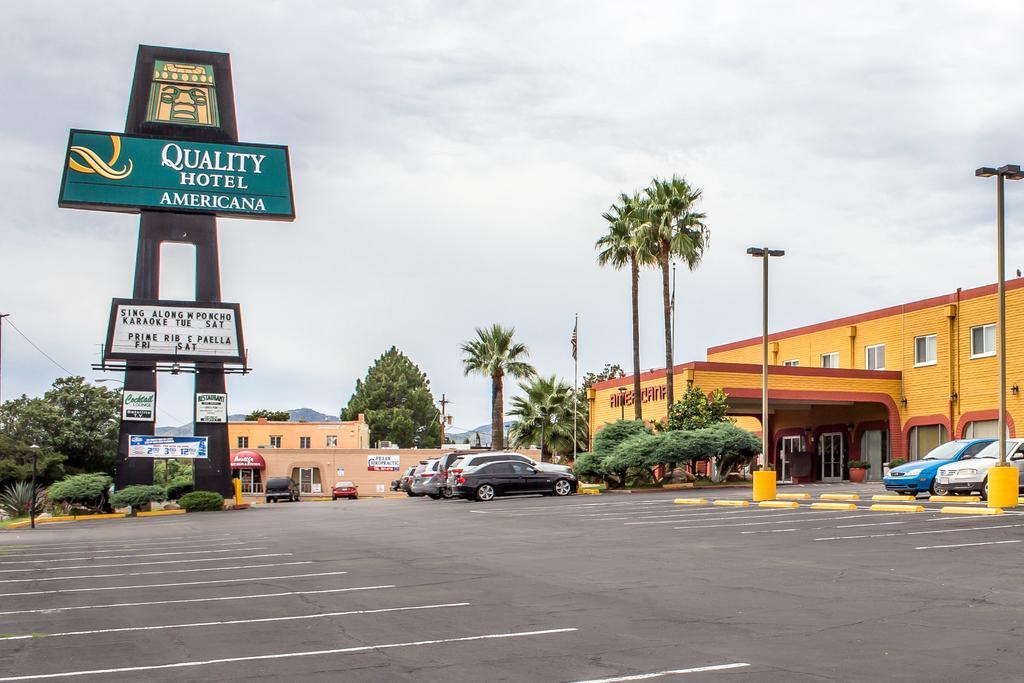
(2, 316)
(444, 404)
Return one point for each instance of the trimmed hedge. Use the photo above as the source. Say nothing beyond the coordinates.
(137, 496)
(201, 501)
(178, 488)
(86, 490)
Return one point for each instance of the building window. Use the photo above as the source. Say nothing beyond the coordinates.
(275, 442)
(875, 357)
(243, 442)
(925, 438)
(924, 350)
(983, 429)
(791, 363)
(830, 360)
(303, 442)
(332, 441)
(983, 341)
(308, 478)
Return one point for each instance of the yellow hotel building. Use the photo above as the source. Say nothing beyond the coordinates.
(890, 383)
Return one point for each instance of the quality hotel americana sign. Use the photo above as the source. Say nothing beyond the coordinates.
(130, 172)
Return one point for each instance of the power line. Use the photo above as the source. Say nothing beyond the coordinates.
(7, 319)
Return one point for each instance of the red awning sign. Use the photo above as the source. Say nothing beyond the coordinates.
(248, 460)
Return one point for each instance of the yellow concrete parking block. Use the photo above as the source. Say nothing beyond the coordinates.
(793, 496)
(833, 506)
(839, 496)
(690, 501)
(589, 492)
(955, 499)
(882, 507)
(894, 498)
(778, 504)
(957, 510)
(732, 503)
(160, 513)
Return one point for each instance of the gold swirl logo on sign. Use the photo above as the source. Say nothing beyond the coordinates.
(95, 164)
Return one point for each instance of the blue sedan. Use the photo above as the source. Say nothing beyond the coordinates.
(919, 476)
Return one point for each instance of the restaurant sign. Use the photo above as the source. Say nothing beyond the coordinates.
(194, 447)
(118, 172)
(211, 408)
(138, 406)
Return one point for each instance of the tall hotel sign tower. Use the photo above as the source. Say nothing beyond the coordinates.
(179, 165)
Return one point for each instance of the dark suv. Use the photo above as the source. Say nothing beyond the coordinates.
(282, 488)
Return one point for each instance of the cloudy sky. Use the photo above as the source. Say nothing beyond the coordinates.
(451, 161)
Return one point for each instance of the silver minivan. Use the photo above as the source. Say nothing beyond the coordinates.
(426, 480)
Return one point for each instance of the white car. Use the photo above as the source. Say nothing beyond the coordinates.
(970, 473)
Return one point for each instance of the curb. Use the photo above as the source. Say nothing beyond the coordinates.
(690, 501)
(68, 518)
(839, 496)
(880, 507)
(954, 510)
(159, 513)
(833, 506)
(955, 499)
(793, 496)
(589, 492)
(779, 504)
(893, 497)
(732, 503)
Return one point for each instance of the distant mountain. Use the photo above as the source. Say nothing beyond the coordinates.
(470, 436)
(295, 415)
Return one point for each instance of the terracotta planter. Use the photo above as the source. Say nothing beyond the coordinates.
(857, 475)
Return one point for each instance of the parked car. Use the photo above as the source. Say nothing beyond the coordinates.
(970, 474)
(511, 477)
(345, 489)
(919, 476)
(445, 463)
(281, 488)
(476, 459)
(406, 480)
(426, 481)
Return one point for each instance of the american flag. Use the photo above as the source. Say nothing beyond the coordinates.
(573, 340)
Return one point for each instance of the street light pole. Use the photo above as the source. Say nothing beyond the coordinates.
(1002, 497)
(32, 505)
(764, 253)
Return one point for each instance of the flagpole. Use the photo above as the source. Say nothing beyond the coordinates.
(575, 384)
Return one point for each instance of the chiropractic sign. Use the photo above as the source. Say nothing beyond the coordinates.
(119, 172)
(174, 330)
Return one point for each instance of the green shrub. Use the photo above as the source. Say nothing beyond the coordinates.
(201, 501)
(137, 496)
(16, 500)
(860, 464)
(896, 462)
(178, 488)
(85, 490)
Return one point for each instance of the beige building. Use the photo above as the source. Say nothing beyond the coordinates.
(265, 434)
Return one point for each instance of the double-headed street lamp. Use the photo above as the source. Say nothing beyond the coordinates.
(1011, 172)
(764, 253)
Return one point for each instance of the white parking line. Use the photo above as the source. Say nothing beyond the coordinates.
(287, 655)
(125, 557)
(88, 546)
(850, 526)
(963, 545)
(233, 622)
(52, 610)
(917, 533)
(769, 531)
(161, 571)
(114, 548)
(672, 672)
(136, 564)
(784, 521)
(167, 585)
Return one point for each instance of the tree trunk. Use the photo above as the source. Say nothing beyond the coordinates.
(497, 412)
(667, 298)
(635, 273)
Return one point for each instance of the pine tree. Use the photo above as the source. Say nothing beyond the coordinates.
(395, 397)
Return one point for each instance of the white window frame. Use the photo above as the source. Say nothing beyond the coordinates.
(332, 441)
(791, 363)
(984, 354)
(275, 441)
(243, 442)
(305, 442)
(833, 355)
(935, 348)
(867, 356)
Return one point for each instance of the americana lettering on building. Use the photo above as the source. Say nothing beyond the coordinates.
(647, 394)
(119, 172)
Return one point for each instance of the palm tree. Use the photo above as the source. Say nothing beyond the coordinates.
(494, 355)
(544, 415)
(621, 247)
(672, 229)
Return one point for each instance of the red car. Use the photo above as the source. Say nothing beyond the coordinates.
(345, 489)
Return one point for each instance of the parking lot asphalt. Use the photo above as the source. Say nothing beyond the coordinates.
(614, 587)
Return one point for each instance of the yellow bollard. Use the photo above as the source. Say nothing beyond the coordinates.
(764, 485)
(238, 490)
(1002, 486)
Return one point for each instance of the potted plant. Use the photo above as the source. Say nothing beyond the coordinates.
(895, 462)
(859, 470)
